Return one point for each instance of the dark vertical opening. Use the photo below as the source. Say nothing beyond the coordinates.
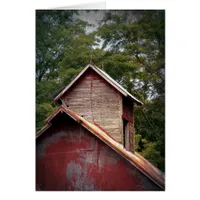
(125, 133)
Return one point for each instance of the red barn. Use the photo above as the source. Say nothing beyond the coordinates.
(87, 143)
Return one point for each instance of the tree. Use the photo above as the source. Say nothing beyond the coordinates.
(136, 45)
(56, 31)
(63, 48)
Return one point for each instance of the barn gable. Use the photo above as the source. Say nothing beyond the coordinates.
(141, 164)
(94, 95)
(97, 101)
(106, 77)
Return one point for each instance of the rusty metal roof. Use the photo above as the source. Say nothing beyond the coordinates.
(105, 76)
(134, 158)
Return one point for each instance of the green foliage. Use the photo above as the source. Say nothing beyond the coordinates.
(43, 110)
(151, 153)
(57, 33)
(141, 36)
(150, 131)
(44, 104)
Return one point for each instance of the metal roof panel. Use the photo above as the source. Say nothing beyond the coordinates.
(135, 159)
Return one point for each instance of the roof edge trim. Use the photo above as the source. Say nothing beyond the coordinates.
(105, 76)
(71, 83)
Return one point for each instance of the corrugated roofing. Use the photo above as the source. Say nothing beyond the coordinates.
(134, 158)
(106, 77)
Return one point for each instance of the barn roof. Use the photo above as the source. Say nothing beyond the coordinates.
(105, 76)
(134, 158)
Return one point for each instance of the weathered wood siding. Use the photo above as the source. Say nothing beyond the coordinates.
(128, 115)
(69, 157)
(97, 101)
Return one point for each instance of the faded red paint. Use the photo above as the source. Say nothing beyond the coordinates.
(71, 158)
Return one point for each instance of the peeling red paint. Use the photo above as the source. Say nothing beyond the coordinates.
(75, 159)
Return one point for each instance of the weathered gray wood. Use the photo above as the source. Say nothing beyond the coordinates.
(98, 102)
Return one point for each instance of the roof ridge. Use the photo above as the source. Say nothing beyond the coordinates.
(104, 75)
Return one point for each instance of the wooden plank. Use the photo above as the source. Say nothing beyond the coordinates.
(97, 101)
